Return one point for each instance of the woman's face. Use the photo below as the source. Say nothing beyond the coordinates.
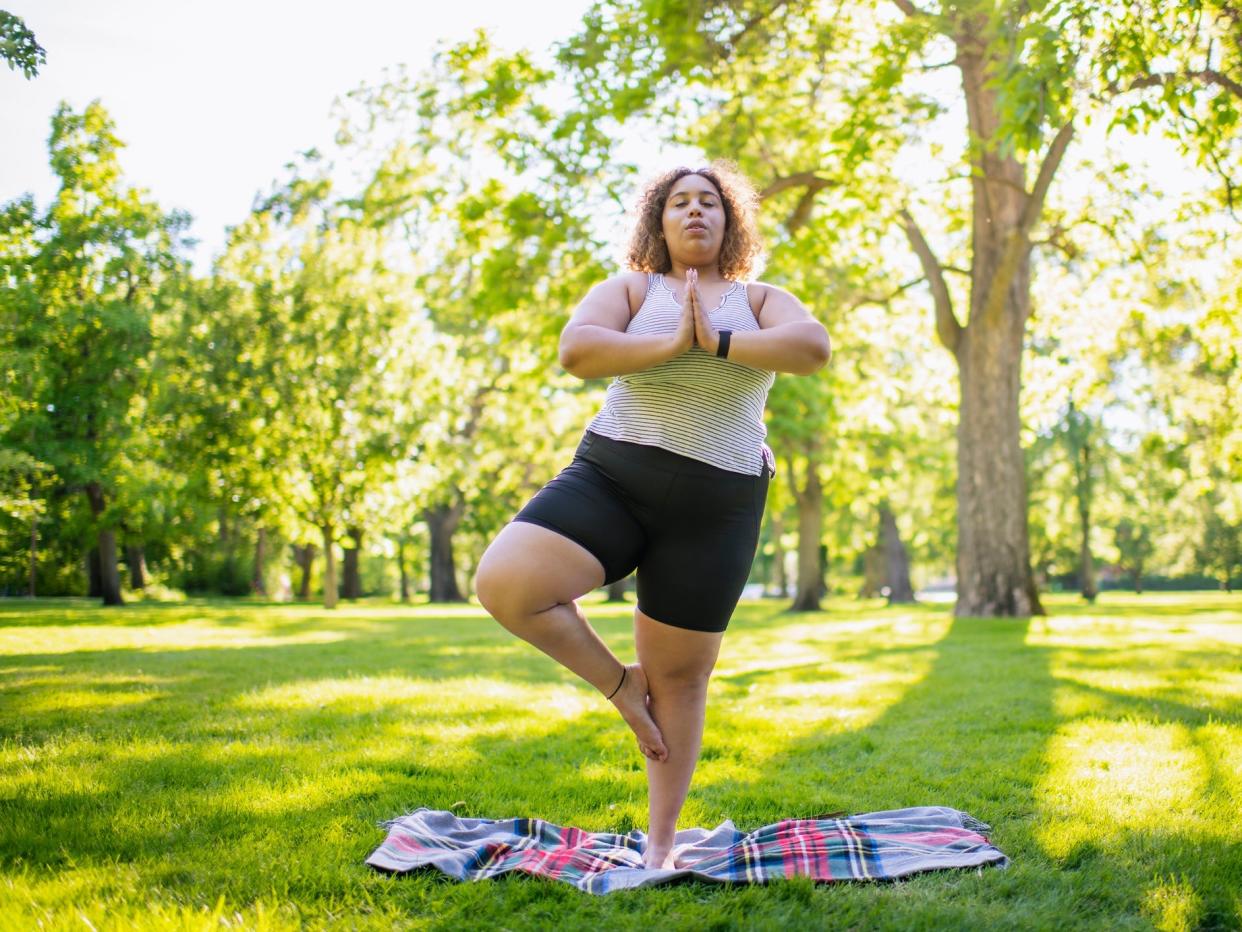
(694, 221)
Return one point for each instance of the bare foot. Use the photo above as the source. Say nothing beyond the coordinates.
(658, 858)
(631, 702)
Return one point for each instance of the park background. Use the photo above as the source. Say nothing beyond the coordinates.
(1015, 220)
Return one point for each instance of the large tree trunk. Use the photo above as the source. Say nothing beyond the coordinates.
(136, 560)
(351, 584)
(305, 556)
(442, 521)
(993, 552)
(897, 561)
(810, 500)
(109, 572)
(258, 584)
(330, 594)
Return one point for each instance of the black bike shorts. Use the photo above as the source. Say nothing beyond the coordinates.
(689, 528)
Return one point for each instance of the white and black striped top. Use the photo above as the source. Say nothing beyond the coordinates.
(696, 404)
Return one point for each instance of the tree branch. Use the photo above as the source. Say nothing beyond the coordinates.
(948, 328)
(1018, 242)
(724, 49)
(1052, 161)
(884, 300)
(802, 212)
(1206, 75)
(909, 8)
(809, 179)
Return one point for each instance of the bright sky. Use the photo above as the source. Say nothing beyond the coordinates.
(213, 99)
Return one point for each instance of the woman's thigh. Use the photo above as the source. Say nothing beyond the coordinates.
(698, 559)
(670, 654)
(529, 569)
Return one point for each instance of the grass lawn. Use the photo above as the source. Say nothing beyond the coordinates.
(224, 764)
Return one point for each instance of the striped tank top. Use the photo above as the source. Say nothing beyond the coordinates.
(696, 404)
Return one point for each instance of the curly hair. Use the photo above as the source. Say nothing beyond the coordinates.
(741, 253)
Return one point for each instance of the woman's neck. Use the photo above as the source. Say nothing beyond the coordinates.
(708, 274)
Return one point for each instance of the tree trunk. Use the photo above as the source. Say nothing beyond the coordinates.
(305, 556)
(405, 577)
(34, 553)
(258, 584)
(351, 585)
(330, 594)
(109, 572)
(993, 551)
(778, 553)
(136, 560)
(810, 499)
(1138, 580)
(897, 561)
(616, 591)
(1086, 565)
(1079, 432)
(94, 585)
(442, 521)
(875, 573)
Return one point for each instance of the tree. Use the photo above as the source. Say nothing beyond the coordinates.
(1194, 381)
(18, 46)
(318, 331)
(1030, 74)
(96, 275)
(482, 169)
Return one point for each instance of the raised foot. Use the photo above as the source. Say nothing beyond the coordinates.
(631, 702)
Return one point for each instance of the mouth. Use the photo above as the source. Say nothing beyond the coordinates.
(696, 226)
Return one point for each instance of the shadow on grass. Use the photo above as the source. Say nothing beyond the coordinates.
(965, 735)
(974, 734)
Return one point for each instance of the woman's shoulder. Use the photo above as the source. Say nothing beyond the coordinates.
(635, 286)
(761, 291)
(756, 294)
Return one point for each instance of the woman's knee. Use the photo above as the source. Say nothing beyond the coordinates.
(508, 590)
(495, 584)
(685, 680)
(675, 658)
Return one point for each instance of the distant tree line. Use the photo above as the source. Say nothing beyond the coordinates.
(1034, 384)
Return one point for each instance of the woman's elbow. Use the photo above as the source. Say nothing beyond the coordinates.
(567, 355)
(819, 352)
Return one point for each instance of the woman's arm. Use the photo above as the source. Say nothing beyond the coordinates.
(789, 338)
(594, 343)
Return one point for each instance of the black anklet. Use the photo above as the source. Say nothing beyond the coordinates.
(614, 692)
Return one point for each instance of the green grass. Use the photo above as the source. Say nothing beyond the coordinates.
(224, 764)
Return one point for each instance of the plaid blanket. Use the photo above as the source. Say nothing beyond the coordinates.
(874, 846)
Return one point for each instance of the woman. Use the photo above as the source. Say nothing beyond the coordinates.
(671, 476)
